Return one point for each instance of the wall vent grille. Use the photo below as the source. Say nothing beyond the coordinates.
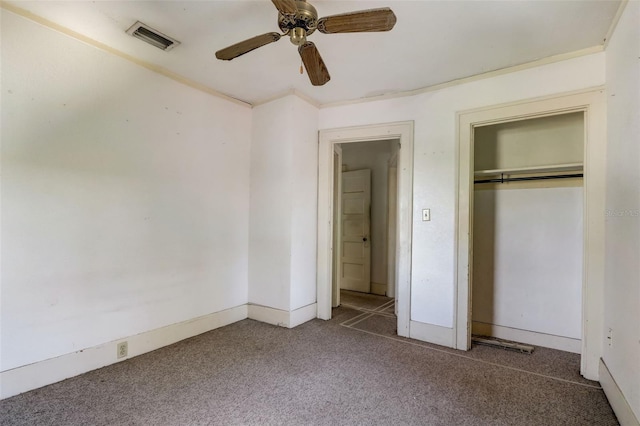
(151, 36)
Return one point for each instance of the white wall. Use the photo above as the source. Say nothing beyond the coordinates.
(284, 157)
(527, 264)
(271, 200)
(125, 197)
(304, 181)
(374, 156)
(535, 142)
(622, 261)
(435, 159)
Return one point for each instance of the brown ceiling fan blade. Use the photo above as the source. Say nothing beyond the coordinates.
(313, 63)
(286, 7)
(238, 49)
(370, 20)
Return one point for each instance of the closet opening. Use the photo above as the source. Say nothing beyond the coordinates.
(527, 231)
(504, 166)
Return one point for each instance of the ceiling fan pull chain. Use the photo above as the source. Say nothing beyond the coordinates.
(300, 67)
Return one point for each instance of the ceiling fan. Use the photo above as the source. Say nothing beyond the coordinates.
(299, 19)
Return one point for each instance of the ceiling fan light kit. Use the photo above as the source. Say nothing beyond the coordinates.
(299, 19)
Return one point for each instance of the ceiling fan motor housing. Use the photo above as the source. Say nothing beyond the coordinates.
(298, 19)
(300, 25)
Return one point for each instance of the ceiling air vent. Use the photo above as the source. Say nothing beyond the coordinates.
(151, 36)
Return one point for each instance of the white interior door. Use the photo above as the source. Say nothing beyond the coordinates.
(355, 259)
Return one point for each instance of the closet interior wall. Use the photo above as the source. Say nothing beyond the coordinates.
(528, 231)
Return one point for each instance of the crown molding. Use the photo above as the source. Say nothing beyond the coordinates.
(289, 92)
(476, 77)
(614, 23)
(148, 65)
(309, 99)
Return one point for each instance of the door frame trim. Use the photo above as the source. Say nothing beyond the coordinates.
(337, 230)
(402, 131)
(593, 103)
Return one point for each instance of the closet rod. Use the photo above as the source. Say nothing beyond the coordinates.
(502, 179)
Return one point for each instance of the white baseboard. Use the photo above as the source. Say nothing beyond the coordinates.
(616, 398)
(379, 289)
(303, 314)
(282, 318)
(436, 334)
(42, 373)
(531, 337)
(269, 315)
(46, 372)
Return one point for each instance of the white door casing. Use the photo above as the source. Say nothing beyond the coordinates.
(392, 189)
(355, 244)
(337, 213)
(592, 103)
(392, 222)
(402, 132)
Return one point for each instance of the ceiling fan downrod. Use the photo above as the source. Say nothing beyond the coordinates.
(298, 36)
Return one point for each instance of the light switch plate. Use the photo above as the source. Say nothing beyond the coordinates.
(426, 215)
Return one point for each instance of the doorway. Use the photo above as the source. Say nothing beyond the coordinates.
(591, 105)
(327, 174)
(365, 205)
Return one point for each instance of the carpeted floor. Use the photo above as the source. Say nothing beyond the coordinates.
(352, 370)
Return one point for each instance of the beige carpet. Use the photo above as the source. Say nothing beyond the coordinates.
(376, 317)
(351, 370)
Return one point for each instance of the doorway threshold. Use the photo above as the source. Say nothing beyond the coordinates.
(501, 343)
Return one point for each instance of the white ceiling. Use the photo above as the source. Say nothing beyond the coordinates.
(433, 41)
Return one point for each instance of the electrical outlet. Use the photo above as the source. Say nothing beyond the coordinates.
(123, 349)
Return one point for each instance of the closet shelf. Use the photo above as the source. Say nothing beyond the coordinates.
(554, 168)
